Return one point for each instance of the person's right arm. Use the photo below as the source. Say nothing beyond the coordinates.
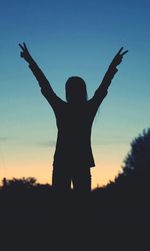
(46, 88)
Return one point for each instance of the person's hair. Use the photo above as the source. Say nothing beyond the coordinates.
(76, 90)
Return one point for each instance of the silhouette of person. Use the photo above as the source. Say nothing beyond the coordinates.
(73, 156)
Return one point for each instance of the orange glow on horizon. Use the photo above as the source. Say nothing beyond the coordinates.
(100, 177)
(37, 163)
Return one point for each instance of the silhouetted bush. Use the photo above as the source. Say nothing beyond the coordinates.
(22, 183)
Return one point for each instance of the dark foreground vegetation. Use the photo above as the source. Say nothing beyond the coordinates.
(115, 217)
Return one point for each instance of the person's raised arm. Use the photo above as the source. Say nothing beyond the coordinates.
(112, 69)
(46, 88)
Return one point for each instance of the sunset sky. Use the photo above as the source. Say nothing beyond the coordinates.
(69, 38)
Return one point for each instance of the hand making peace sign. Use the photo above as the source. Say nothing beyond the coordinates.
(25, 52)
(118, 58)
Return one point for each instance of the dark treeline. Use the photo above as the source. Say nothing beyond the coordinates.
(114, 217)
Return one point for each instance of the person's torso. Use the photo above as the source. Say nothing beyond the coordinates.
(74, 125)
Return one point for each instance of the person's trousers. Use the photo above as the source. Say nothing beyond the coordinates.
(80, 178)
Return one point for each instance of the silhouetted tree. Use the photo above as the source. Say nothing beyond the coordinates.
(136, 168)
(139, 156)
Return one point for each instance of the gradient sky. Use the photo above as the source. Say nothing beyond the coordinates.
(72, 38)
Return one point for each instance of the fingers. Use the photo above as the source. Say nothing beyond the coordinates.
(120, 50)
(25, 45)
(124, 52)
(21, 47)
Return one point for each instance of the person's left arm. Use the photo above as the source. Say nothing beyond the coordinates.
(112, 70)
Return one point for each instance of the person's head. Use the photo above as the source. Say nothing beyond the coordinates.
(76, 90)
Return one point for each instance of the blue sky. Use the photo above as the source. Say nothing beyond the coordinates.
(72, 38)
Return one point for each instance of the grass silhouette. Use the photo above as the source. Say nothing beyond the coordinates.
(108, 217)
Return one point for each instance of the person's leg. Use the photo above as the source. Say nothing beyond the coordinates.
(82, 180)
(61, 180)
